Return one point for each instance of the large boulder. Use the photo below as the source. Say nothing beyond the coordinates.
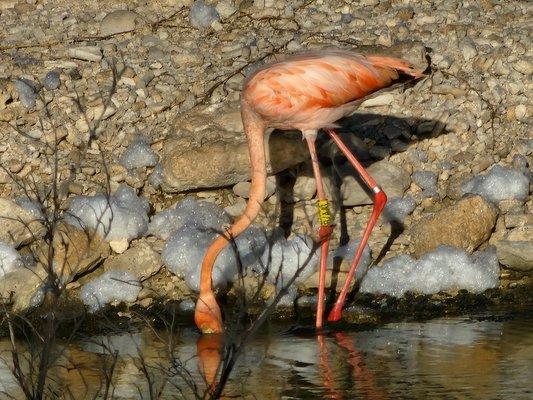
(75, 252)
(392, 179)
(465, 224)
(141, 261)
(20, 289)
(515, 250)
(208, 149)
(17, 226)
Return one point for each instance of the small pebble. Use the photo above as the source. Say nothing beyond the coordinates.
(51, 80)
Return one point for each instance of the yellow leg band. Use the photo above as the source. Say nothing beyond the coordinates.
(323, 212)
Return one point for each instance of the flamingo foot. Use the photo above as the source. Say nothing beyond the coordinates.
(335, 314)
(207, 315)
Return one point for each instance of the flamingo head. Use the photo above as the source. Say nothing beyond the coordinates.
(207, 315)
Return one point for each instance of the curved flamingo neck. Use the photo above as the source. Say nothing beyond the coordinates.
(254, 129)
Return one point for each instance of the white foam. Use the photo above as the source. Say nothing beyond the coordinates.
(111, 286)
(284, 259)
(499, 184)
(446, 268)
(139, 155)
(9, 259)
(202, 214)
(122, 215)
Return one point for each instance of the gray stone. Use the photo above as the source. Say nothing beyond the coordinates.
(515, 250)
(242, 189)
(392, 179)
(119, 21)
(425, 179)
(27, 91)
(202, 15)
(466, 224)
(51, 80)
(208, 149)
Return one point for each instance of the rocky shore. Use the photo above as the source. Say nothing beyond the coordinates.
(140, 101)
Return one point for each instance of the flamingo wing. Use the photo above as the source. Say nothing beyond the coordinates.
(291, 91)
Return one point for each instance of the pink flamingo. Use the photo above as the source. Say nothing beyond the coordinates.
(307, 92)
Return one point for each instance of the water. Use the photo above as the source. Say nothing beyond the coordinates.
(456, 358)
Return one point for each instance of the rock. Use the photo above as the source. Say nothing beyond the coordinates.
(242, 189)
(391, 178)
(465, 224)
(27, 91)
(236, 209)
(468, 48)
(19, 288)
(384, 99)
(87, 53)
(339, 279)
(17, 226)
(226, 8)
(141, 261)
(208, 149)
(119, 21)
(75, 251)
(515, 220)
(52, 80)
(202, 15)
(524, 67)
(515, 250)
(305, 186)
(119, 246)
(425, 179)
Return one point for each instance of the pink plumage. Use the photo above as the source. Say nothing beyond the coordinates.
(313, 90)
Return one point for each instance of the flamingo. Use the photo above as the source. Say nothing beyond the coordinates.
(307, 92)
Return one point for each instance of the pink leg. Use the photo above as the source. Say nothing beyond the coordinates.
(325, 229)
(380, 199)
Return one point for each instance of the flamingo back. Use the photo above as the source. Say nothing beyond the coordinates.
(313, 90)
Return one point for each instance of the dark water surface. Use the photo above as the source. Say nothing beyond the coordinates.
(457, 358)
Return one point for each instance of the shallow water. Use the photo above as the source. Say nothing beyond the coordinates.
(456, 358)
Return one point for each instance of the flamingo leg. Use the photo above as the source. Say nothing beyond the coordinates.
(380, 199)
(324, 232)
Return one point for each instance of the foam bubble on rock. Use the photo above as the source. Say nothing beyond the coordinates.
(284, 259)
(9, 259)
(201, 214)
(202, 15)
(120, 216)
(398, 208)
(139, 155)
(425, 179)
(446, 268)
(33, 207)
(499, 184)
(111, 286)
